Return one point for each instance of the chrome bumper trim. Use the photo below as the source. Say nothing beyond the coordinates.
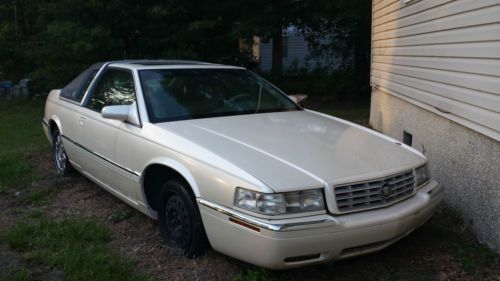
(318, 223)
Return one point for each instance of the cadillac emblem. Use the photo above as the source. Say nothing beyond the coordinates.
(386, 190)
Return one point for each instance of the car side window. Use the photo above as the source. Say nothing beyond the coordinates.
(86, 84)
(76, 89)
(115, 87)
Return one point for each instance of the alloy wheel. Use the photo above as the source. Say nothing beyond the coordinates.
(59, 154)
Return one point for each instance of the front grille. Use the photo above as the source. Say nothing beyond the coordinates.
(375, 194)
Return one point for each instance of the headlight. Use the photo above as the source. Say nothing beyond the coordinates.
(280, 203)
(422, 174)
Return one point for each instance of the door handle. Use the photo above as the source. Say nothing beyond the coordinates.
(81, 121)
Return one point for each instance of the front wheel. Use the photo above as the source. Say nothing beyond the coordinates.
(180, 220)
(61, 161)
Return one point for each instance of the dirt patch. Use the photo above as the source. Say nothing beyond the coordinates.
(430, 253)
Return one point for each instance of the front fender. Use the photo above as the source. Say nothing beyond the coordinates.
(175, 165)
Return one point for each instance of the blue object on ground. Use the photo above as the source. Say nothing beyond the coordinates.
(6, 85)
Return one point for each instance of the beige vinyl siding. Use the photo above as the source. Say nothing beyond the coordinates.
(442, 54)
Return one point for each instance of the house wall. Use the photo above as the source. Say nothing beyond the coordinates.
(436, 75)
(465, 162)
(298, 51)
(443, 53)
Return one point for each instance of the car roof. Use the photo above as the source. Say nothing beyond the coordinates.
(167, 64)
(163, 62)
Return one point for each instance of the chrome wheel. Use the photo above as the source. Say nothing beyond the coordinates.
(60, 157)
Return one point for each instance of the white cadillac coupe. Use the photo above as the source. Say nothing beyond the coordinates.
(221, 157)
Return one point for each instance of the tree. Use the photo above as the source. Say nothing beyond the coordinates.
(55, 40)
(348, 24)
(268, 19)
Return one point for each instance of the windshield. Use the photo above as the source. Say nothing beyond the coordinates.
(180, 94)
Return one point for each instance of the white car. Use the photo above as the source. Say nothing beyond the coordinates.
(221, 157)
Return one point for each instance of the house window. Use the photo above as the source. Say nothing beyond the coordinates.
(284, 45)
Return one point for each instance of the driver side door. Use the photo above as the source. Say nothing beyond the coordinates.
(98, 135)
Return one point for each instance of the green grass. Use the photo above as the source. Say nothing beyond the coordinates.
(17, 275)
(15, 169)
(254, 275)
(354, 111)
(474, 258)
(40, 196)
(358, 115)
(121, 215)
(76, 246)
(22, 138)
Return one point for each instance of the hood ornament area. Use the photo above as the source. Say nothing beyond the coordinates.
(386, 190)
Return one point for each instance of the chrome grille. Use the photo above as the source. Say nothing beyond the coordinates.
(374, 194)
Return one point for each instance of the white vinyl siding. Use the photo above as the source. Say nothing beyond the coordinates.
(444, 54)
(297, 51)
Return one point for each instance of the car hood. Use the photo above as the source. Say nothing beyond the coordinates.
(298, 149)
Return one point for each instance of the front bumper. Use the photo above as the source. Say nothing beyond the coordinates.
(280, 244)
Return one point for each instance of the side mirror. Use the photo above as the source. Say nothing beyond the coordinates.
(298, 99)
(121, 112)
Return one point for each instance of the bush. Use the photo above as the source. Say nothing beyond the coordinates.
(318, 83)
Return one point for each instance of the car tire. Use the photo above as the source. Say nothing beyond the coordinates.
(61, 160)
(180, 220)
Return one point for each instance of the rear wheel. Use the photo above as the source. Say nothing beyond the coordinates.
(180, 220)
(61, 161)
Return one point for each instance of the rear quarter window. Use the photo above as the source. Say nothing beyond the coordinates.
(76, 89)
